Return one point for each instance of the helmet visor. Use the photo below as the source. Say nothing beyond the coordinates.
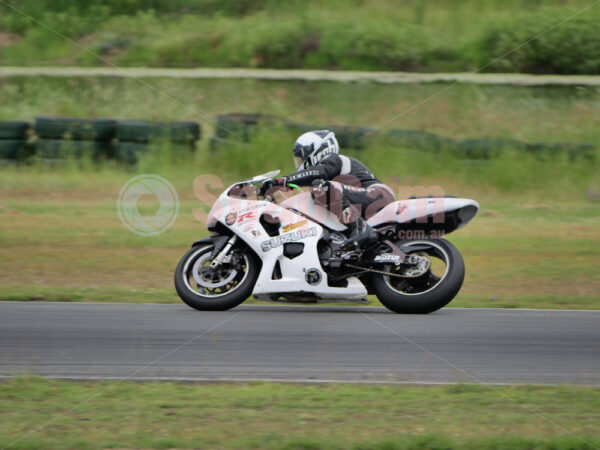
(298, 162)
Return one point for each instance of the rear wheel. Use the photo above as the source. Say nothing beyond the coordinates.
(430, 284)
(208, 288)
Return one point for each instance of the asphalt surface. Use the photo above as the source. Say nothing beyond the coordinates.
(133, 341)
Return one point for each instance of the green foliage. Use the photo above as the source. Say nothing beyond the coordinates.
(377, 35)
(287, 42)
(68, 21)
(117, 7)
(362, 45)
(544, 42)
(270, 43)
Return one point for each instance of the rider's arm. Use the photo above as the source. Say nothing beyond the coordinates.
(325, 170)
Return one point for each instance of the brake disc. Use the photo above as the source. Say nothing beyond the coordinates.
(205, 275)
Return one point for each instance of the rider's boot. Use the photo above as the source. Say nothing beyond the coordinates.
(361, 233)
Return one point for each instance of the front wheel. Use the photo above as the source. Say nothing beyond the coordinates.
(206, 288)
(430, 284)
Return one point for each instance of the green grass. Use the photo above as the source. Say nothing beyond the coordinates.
(277, 416)
(446, 35)
(62, 239)
(97, 293)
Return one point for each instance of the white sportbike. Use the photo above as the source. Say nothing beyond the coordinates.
(291, 251)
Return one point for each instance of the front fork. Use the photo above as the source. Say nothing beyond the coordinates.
(223, 256)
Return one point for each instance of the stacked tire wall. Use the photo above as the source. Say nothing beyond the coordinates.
(137, 138)
(241, 127)
(231, 129)
(62, 138)
(57, 138)
(14, 144)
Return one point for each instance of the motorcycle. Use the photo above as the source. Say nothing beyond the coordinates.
(291, 250)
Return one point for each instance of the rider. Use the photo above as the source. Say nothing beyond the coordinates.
(342, 184)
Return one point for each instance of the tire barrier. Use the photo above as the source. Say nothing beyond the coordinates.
(14, 150)
(64, 149)
(14, 130)
(128, 140)
(487, 149)
(544, 150)
(346, 135)
(242, 126)
(144, 132)
(230, 126)
(130, 153)
(216, 143)
(62, 138)
(75, 129)
(13, 140)
(421, 140)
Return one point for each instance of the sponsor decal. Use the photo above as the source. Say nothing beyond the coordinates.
(267, 245)
(387, 257)
(230, 218)
(302, 174)
(246, 216)
(233, 217)
(248, 228)
(293, 226)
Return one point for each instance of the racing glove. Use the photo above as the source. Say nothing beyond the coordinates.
(268, 184)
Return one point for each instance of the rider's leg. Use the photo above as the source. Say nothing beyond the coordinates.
(350, 204)
(368, 201)
(358, 231)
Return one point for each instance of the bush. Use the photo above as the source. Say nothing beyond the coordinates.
(372, 45)
(261, 41)
(323, 35)
(572, 47)
(43, 10)
(297, 42)
(68, 21)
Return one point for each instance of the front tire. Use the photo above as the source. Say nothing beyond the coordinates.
(207, 293)
(430, 291)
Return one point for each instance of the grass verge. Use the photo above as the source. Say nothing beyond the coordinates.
(535, 242)
(270, 415)
(62, 238)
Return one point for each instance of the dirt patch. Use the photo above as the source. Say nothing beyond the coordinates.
(6, 40)
(490, 213)
(536, 207)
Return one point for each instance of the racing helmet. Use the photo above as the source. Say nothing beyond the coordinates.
(313, 146)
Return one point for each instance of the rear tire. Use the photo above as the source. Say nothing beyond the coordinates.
(431, 299)
(219, 302)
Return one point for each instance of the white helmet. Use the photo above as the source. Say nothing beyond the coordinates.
(313, 146)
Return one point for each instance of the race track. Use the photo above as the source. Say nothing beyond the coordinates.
(299, 343)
